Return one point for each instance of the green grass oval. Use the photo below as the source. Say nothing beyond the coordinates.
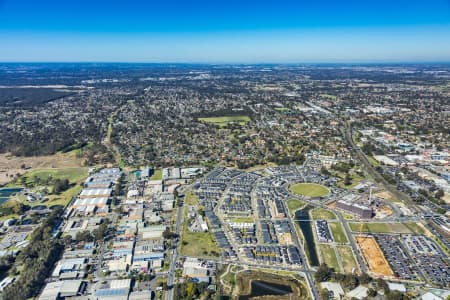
(309, 189)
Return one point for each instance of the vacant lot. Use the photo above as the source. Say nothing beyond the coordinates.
(74, 175)
(329, 256)
(309, 189)
(338, 232)
(322, 214)
(355, 180)
(294, 205)
(12, 165)
(197, 244)
(418, 228)
(243, 220)
(63, 198)
(157, 175)
(191, 199)
(223, 121)
(45, 178)
(380, 227)
(374, 256)
(347, 258)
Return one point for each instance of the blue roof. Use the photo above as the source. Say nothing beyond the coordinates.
(111, 292)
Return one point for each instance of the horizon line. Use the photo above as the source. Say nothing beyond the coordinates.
(362, 62)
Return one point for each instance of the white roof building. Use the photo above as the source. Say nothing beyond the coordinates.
(60, 289)
(95, 193)
(393, 286)
(334, 287)
(359, 292)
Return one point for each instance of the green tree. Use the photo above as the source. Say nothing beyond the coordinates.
(347, 179)
(323, 273)
(190, 290)
(364, 278)
(439, 194)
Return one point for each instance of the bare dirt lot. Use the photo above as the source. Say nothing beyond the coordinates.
(374, 256)
(12, 165)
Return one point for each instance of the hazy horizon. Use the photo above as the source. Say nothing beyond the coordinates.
(225, 31)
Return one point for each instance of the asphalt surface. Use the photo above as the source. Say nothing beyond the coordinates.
(348, 134)
(174, 257)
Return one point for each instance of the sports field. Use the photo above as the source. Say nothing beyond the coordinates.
(222, 121)
(309, 189)
(374, 256)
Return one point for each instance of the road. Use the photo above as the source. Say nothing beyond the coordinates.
(104, 245)
(348, 134)
(308, 276)
(174, 256)
(352, 242)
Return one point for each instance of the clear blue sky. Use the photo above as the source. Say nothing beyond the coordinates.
(225, 30)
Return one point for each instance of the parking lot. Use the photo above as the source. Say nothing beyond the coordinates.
(323, 231)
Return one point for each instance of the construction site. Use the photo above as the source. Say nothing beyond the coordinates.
(373, 256)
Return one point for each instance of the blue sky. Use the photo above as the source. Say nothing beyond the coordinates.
(217, 31)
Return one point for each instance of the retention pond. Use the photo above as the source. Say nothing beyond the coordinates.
(304, 222)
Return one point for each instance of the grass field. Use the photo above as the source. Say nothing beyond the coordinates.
(157, 175)
(191, 199)
(198, 244)
(223, 121)
(417, 228)
(338, 232)
(63, 198)
(355, 179)
(294, 205)
(372, 161)
(243, 220)
(13, 164)
(309, 189)
(72, 174)
(323, 214)
(329, 256)
(347, 258)
(374, 256)
(347, 216)
(381, 227)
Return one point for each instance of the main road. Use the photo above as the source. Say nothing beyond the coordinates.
(174, 256)
(348, 134)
